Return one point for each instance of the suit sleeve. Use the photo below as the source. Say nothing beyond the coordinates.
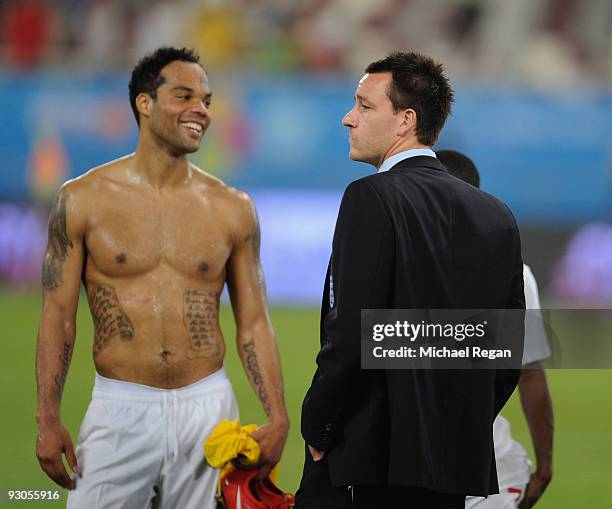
(362, 262)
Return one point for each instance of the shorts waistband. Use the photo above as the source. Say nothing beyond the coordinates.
(121, 390)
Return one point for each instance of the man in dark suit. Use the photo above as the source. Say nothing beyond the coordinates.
(408, 237)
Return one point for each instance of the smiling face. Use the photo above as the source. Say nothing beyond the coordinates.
(373, 125)
(179, 116)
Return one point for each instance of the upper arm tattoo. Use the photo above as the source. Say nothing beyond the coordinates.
(57, 248)
(255, 239)
(200, 315)
(255, 236)
(109, 318)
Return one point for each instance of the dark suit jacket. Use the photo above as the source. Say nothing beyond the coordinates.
(412, 237)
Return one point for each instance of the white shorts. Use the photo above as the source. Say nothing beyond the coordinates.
(508, 498)
(143, 447)
(513, 471)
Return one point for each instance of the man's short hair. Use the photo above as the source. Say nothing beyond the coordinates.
(418, 83)
(146, 77)
(459, 165)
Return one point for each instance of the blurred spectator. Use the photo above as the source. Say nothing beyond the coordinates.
(105, 34)
(218, 31)
(341, 34)
(272, 44)
(27, 25)
(549, 43)
(161, 23)
(592, 28)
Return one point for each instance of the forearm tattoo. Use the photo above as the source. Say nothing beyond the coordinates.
(255, 372)
(109, 318)
(60, 378)
(57, 248)
(200, 317)
(261, 280)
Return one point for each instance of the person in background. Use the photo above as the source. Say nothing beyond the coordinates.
(518, 485)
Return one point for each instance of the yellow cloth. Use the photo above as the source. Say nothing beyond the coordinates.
(228, 442)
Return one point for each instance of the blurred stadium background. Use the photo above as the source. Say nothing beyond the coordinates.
(533, 109)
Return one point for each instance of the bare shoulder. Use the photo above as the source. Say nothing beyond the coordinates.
(96, 179)
(233, 205)
(236, 200)
(114, 172)
(77, 196)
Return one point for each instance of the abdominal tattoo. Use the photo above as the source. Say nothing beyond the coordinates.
(109, 318)
(57, 247)
(200, 316)
(253, 368)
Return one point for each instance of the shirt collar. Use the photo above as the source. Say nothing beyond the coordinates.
(413, 152)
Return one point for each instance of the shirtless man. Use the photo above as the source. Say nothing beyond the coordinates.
(154, 239)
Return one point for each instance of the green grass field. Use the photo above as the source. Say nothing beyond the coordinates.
(582, 400)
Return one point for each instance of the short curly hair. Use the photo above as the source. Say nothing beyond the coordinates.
(146, 76)
(459, 165)
(418, 82)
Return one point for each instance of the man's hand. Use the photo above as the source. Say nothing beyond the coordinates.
(271, 439)
(537, 406)
(537, 484)
(51, 443)
(316, 454)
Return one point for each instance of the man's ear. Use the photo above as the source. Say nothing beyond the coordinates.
(144, 104)
(408, 123)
